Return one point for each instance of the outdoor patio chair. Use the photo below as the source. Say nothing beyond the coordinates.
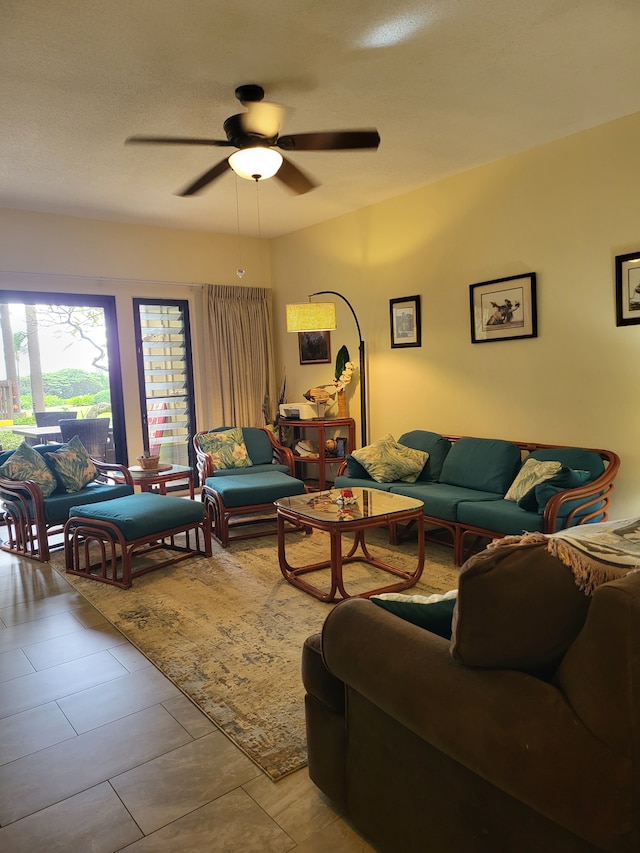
(45, 419)
(92, 432)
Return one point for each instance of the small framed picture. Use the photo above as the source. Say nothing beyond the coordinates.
(405, 322)
(503, 309)
(628, 289)
(314, 347)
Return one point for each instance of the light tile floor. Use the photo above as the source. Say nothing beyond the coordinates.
(100, 752)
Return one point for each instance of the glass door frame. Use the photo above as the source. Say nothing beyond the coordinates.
(108, 305)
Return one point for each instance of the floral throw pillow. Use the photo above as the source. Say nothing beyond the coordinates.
(72, 465)
(386, 461)
(532, 473)
(25, 463)
(226, 448)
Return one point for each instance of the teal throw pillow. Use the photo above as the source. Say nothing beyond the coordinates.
(356, 470)
(566, 478)
(25, 463)
(529, 476)
(72, 465)
(226, 448)
(386, 461)
(433, 612)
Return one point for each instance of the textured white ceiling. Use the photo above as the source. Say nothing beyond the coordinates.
(449, 84)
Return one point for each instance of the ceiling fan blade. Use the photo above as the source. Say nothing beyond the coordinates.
(177, 140)
(330, 140)
(204, 180)
(294, 178)
(263, 118)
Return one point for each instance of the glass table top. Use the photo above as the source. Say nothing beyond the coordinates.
(333, 506)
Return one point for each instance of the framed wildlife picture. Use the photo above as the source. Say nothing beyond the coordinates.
(628, 289)
(503, 309)
(405, 322)
(314, 347)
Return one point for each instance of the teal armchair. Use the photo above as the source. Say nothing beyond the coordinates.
(32, 519)
(257, 452)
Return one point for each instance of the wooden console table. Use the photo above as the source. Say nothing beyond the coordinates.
(322, 427)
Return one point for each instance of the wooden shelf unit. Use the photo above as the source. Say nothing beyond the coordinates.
(321, 426)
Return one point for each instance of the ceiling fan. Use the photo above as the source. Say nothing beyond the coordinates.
(256, 135)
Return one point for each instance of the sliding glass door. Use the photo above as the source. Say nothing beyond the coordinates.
(163, 345)
(59, 354)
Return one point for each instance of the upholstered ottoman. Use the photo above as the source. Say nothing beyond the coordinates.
(112, 531)
(251, 497)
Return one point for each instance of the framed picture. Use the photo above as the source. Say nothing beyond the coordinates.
(314, 347)
(504, 309)
(405, 322)
(628, 289)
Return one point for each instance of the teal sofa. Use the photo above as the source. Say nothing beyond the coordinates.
(32, 520)
(465, 479)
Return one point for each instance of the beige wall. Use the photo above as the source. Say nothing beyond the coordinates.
(563, 211)
(64, 254)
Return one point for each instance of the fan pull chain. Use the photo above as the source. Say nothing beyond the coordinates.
(240, 271)
(259, 231)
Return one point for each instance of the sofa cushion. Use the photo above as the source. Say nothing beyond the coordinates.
(436, 445)
(226, 448)
(572, 457)
(499, 515)
(518, 607)
(6, 454)
(484, 464)
(258, 446)
(533, 472)
(57, 506)
(141, 514)
(440, 500)
(72, 465)
(387, 461)
(566, 478)
(25, 463)
(262, 488)
(365, 482)
(265, 468)
(433, 612)
(355, 469)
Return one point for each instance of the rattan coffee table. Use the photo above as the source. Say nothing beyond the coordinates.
(372, 508)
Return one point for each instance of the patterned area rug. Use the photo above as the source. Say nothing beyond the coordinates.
(228, 631)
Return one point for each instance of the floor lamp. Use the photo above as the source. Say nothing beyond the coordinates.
(321, 317)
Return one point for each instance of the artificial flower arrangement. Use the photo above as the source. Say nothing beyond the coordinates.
(344, 369)
(346, 497)
(347, 505)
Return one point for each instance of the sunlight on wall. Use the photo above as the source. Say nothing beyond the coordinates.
(563, 211)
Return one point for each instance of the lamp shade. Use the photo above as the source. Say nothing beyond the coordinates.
(255, 163)
(311, 317)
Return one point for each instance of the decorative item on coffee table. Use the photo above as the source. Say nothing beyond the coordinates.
(151, 475)
(148, 462)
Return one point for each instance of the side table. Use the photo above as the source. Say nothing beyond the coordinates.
(159, 477)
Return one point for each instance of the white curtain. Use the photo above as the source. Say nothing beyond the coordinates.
(240, 355)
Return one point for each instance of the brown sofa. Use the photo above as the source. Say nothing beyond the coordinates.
(518, 735)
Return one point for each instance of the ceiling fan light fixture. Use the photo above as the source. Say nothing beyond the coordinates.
(255, 164)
